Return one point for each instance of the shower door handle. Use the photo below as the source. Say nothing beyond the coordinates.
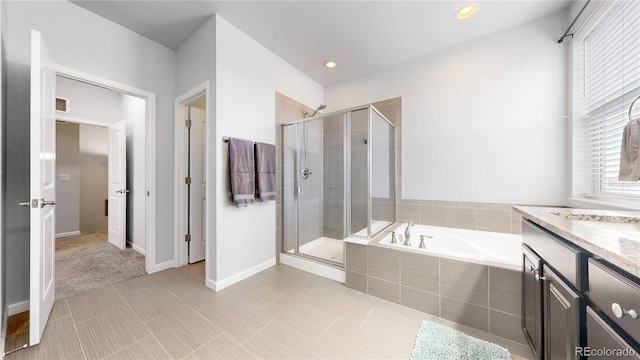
(298, 189)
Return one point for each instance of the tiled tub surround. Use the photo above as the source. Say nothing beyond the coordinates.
(480, 296)
(495, 217)
(580, 226)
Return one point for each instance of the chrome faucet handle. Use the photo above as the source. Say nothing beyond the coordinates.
(393, 238)
(422, 245)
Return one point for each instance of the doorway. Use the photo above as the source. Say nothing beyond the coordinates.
(42, 182)
(191, 144)
(90, 252)
(100, 146)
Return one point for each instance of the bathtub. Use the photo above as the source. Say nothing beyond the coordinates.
(480, 247)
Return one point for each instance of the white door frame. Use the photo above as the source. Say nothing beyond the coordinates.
(180, 169)
(79, 121)
(150, 154)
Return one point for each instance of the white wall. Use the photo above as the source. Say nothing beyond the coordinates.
(81, 40)
(94, 172)
(132, 111)
(88, 102)
(196, 64)
(482, 121)
(68, 192)
(247, 78)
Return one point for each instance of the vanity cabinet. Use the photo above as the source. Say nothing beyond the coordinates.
(532, 300)
(600, 335)
(614, 308)
(552, 305)
(576, 305)
(561, 308)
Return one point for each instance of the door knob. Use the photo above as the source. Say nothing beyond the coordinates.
(44, 202)
(34, 203)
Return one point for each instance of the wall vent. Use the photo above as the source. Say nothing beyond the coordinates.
(62, 105)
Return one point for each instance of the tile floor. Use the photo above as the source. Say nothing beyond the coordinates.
(280, 313)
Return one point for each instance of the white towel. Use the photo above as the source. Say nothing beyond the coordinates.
(630, 152)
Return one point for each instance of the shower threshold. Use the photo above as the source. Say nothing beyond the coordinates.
(323, 248)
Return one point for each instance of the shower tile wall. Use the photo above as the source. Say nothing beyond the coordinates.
(333, 205)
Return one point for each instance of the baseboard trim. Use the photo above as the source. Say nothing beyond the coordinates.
(17, 308)
(162, 266)
(219, 285)
(67, 234)
(137, 248)
(313, 267)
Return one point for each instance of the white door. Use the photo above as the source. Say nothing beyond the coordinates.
(42, 188)
(198, 184)
(117, 185)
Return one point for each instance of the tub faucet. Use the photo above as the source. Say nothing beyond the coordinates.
(407, 231)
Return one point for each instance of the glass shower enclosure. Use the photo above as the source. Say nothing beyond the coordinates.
(338, 181)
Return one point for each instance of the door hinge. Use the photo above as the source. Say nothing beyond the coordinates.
(187, 237)
(187, 123)
(187, 180)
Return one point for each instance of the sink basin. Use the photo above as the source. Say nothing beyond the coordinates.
(614, 226)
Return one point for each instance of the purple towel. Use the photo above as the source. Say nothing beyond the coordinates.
(266, 171)
(241, 178)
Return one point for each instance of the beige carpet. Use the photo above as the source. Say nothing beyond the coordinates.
(88, 261)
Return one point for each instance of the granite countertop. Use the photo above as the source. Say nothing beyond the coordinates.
(609, 234)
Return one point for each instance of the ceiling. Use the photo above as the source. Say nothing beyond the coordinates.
(362, 36)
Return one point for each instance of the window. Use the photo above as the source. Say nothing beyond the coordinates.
(607, 80)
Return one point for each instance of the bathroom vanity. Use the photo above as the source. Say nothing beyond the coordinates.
(581, 283)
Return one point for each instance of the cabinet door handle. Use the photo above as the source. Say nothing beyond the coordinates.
(538, 277)
(620, 312)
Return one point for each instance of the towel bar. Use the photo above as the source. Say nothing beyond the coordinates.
(631, 106)
(226, 139)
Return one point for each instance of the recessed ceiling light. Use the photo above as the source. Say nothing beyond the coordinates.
(465, 12)
(330, 64)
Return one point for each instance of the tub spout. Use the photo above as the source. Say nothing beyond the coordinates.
(407, 231)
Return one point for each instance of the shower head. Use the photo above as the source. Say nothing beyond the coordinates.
(321, 107)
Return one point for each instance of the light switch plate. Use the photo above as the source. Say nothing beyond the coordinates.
(64, 177)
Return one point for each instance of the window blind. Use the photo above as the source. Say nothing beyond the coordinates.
(611, 82)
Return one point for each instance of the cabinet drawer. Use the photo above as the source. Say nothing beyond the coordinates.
(608, 287)
(601, 336)
(563, 257)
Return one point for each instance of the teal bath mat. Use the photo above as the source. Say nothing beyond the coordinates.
(439, 342)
